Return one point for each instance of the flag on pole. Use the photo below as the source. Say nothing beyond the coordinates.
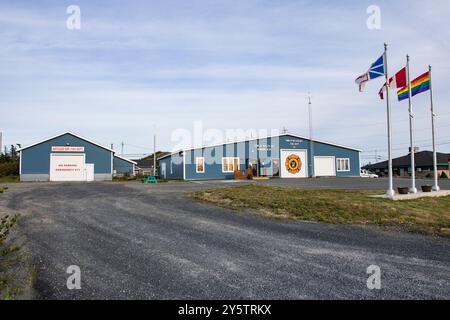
(377, 69)
(396, 82)
(418, 85)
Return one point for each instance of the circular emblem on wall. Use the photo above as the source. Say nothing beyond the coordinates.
(293, 164)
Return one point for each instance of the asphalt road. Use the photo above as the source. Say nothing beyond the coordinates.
(134, 241)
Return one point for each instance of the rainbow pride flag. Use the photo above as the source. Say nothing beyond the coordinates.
(419, 85)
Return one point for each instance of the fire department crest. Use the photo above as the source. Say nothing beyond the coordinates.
(293, 164)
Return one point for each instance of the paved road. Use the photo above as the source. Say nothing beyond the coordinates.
(152, 242)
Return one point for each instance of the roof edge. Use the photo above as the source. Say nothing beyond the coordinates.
(125, 159)
(61, 134)
(260, 138)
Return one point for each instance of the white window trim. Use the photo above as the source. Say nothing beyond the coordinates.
(337, 165)
(233, 158)
(196, 164)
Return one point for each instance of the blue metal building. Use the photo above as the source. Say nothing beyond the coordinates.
(284, 156)
(123, 166)
(70, 157)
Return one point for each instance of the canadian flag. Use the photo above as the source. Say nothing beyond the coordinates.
(396, 82)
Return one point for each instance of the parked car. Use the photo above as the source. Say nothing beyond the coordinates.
(367, 174)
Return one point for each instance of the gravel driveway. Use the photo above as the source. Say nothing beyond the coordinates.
(153, 242)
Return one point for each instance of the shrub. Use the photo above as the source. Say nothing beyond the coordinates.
(9, 169)
(444, 175)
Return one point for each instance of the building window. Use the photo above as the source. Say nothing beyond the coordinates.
(230, 164)
(343, 164)
(200, 165)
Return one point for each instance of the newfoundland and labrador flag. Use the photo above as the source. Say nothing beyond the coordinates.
(377, 69)
(419, 85)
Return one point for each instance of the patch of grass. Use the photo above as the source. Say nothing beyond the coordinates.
(15, 262)
(13, 178)
(426, 215)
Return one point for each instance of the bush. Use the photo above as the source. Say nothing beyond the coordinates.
(9, 169)
(444, 175)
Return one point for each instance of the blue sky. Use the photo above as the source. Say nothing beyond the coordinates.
(139, 65)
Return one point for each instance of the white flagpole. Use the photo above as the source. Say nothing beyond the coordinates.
(390, 192)
(413, 188)
(433, 117)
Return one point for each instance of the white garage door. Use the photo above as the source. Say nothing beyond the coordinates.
(67, 167)
(294, 164)
(324, 166)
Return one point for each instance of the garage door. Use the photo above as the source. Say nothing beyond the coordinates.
(67, 167)
(294, 164)
(324, 166)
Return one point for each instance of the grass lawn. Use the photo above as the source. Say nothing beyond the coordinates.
(9, 179)
(426, 215)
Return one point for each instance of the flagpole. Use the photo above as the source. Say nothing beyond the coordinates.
(433, 117)
(390, 192)
(413, 188)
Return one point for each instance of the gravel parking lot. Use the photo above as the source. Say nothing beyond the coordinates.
(135, 241)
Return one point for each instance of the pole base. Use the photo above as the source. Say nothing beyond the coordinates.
(436, 188)
(390, 193)
(413, 190)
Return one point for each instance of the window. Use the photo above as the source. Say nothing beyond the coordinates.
(230, 164)
(171, 167)
(200, 165)
(343, 164)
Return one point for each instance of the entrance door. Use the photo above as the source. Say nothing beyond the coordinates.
(67, 167)
(163, 170)
(325, 166)
(90, 176)
(294, 164)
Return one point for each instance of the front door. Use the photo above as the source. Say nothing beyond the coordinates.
(90, 172)
(163, 170)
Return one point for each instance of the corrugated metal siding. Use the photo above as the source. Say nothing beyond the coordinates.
(123, 167)
(36, 159)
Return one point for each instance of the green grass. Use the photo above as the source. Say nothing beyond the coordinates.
(9, 179)
(426, 215)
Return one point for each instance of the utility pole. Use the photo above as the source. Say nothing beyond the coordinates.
(1, 141)
(122, 144)
(112, 146)
(313, 174)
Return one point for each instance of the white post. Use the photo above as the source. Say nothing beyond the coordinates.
(413, 188)
(433, 116)
(313, 174)
(390, 192)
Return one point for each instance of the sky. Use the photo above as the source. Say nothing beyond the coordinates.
(136, 68)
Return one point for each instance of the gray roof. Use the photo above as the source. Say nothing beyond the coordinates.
(422, 159)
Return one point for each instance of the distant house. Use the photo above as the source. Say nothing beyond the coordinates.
(423, 163)
(145, 165)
